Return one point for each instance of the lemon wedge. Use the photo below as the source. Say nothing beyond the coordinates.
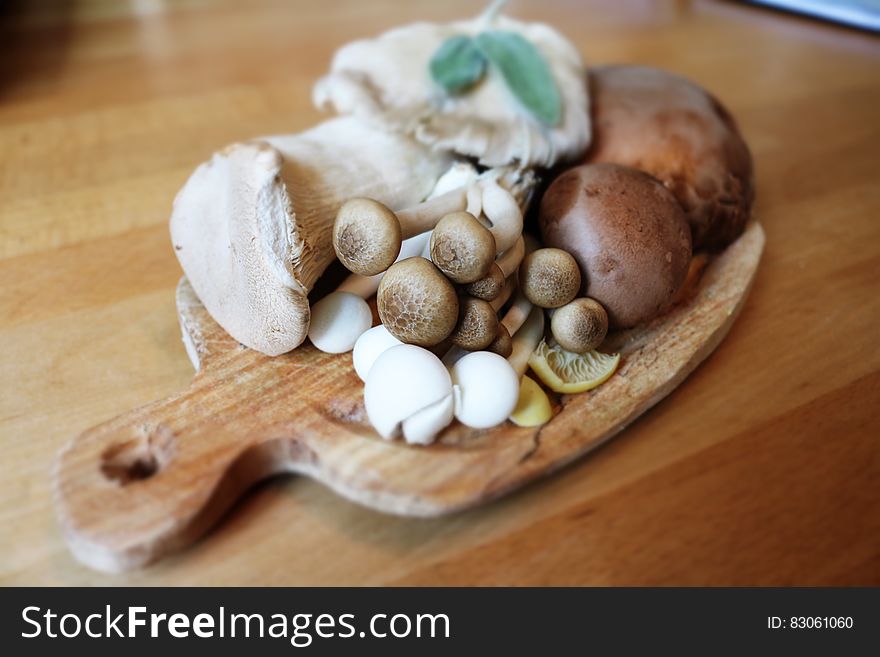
(533, 407)
(566, 372)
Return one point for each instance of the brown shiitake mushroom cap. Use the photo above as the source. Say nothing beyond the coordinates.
(366, 236)
(477, 324)
(462, 247)
(489, 287)
(669, 127)
(503, 343)
(579, 326)
(417, 303)
(549, 277)
(626, 231)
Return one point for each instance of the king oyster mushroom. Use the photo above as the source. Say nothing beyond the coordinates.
(386, 80)
(252, 226)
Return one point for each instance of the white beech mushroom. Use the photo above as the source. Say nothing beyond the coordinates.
(408, 390)
(386, 80)
(252, 227)
(369, 346)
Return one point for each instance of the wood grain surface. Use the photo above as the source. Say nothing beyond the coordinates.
(762, 468)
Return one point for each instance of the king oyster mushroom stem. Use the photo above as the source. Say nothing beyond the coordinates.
(252, 227)
(340, 318)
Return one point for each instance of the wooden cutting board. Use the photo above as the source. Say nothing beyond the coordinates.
(155, 479)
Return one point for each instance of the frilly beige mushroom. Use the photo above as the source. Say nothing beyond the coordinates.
(252, 226)
(387, 80)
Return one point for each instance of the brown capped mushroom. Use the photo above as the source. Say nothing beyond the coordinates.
(477, 324)
(579, 326)
(367, 235)
(462, 247)
(490, 286)
(549, 278)
(417, 303)
(627, 233)
(671, 128)
(503, 343)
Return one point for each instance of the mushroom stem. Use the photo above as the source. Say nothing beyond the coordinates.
(366, 286)
(526, 340)
(424, 216)
(517, 313)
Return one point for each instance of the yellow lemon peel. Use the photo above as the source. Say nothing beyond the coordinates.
(567, 372)
(533, 406)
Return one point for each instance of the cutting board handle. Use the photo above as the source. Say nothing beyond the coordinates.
(155, 479)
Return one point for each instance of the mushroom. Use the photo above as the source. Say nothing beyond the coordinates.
(386, 80)
(490, 286)
(252, 227)
(417, 303)
(369, 346)
(408, 390)
(477, 324)
(343, 330)
(502, 211)
(549, 277)
(462, 248)
(485, 389)
(486, 386)
(579, 326)
(340, 318)
(367, 235)
(628, 234)
(674, 130)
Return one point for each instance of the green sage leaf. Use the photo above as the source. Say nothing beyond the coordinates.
(458, 64)
(525, 72)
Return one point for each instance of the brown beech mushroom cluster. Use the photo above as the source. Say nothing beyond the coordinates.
(367, 235)
(628, 234)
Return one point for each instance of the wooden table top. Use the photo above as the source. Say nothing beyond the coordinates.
(762, 468)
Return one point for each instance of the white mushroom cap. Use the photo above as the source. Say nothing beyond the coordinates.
(404, 381)
(422, 427)
(338, 320)
(372, 344)
(386, 80)
(486, 389)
